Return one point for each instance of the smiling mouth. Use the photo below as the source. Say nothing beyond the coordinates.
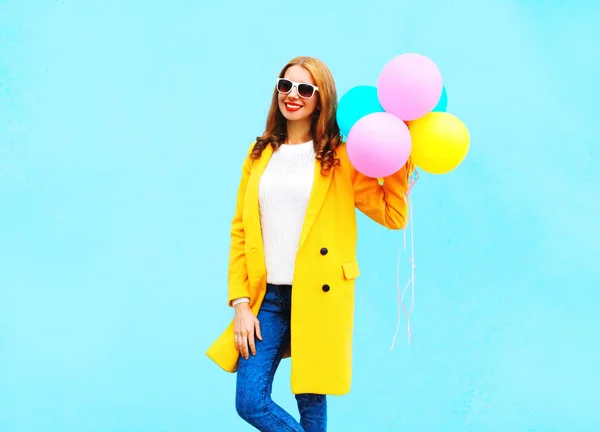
(292, 106)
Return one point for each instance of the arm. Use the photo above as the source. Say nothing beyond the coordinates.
(385, 204)
(245, 323)
(238, 273)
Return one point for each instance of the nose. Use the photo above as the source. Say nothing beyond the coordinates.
(293, 92)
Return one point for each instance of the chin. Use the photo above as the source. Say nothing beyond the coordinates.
(293, 116)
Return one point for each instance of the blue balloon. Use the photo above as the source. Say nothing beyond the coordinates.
(442, 104)
(355, 104)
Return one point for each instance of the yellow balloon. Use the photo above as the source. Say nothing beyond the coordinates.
(440, 142)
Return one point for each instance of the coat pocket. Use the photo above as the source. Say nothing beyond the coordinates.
(351, 270)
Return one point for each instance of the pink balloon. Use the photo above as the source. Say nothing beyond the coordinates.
(409, 86)
(379, 144)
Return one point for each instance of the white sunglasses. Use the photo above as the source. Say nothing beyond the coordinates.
(305, 90)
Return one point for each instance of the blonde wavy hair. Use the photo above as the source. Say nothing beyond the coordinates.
(324, 128)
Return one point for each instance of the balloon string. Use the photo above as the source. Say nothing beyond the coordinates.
(411, 281)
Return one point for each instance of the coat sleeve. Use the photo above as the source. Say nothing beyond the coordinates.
(238, 272)
(386, 203)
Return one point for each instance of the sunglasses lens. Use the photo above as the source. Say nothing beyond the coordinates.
(305, 90)
(284, 86)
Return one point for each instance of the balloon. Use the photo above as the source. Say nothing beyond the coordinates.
(379, 145)
(409, 86)
(442, 104)
(355, 104)
(440, 142)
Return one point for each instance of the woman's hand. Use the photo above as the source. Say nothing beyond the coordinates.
(244, 326)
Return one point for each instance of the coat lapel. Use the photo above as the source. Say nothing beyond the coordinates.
(319, 191)
(252, 204)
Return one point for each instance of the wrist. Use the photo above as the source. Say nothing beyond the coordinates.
(241, 304)
(241, 308)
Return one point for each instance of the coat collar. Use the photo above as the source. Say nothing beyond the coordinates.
(319, 191)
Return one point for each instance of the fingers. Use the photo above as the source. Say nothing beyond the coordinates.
(238, 342)
(237, 336)
(257, 329)
(244, 335)
(245, 343)
(244, 346)
(251, 342)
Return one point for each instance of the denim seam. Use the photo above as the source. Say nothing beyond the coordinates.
(264, 389)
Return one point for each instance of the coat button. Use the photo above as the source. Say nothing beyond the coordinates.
(324, 251)
(326, 287)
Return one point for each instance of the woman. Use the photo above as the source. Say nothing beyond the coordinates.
(295, 226)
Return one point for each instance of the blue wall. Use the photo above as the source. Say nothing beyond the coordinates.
(123, 125)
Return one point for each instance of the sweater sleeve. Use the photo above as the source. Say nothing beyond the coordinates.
(238, 272)
(386, 203)
(240, 300)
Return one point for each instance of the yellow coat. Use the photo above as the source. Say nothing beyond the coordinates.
(322, 317)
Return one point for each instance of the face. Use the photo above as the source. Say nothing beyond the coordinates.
(295, 105)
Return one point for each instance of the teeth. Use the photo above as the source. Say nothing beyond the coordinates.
(293, 106)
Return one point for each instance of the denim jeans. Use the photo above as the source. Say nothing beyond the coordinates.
(255, 375)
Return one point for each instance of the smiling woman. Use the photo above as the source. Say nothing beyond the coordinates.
(295, 226)
(305, 89)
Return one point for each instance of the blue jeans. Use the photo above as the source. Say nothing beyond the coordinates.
(255, 375)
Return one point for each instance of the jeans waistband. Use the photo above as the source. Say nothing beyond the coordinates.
(281, 287)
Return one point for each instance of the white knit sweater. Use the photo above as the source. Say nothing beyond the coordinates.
(284, 190)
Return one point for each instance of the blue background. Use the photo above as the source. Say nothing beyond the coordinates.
(123, 126)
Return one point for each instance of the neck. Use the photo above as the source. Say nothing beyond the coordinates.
(298, 132)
